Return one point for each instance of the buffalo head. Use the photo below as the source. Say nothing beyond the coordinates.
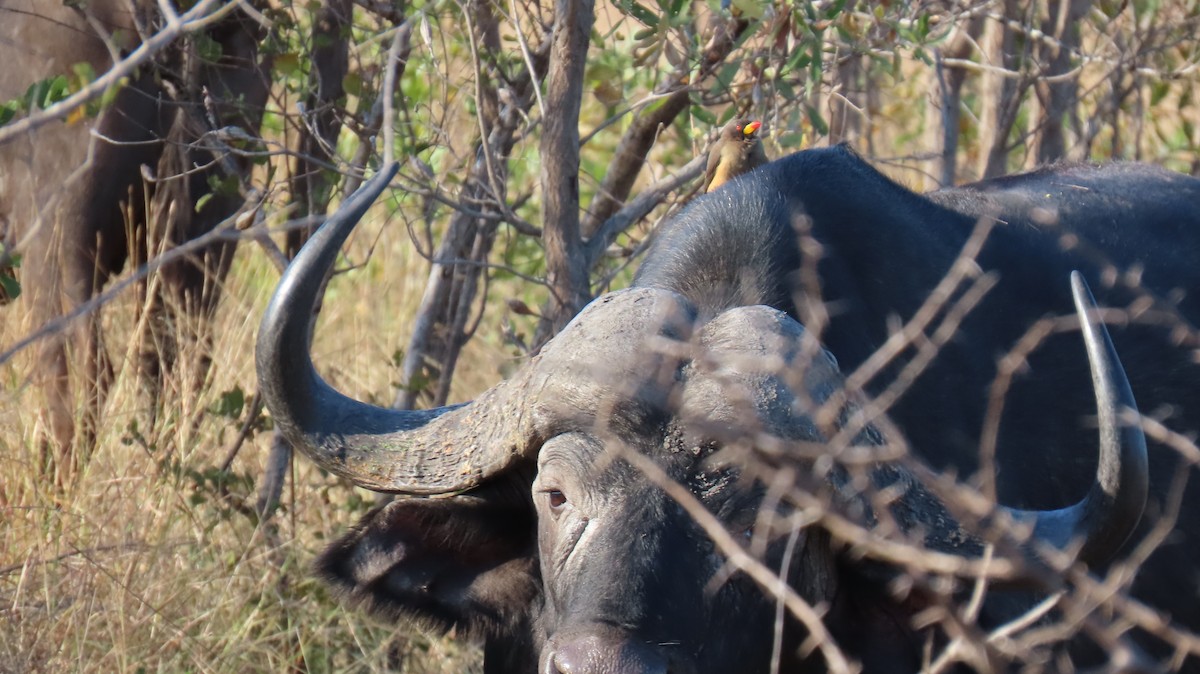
(596, 512)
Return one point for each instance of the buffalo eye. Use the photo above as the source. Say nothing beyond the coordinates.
(556, 499)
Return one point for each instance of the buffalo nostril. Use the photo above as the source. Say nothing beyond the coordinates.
(580, 656)
(595, 654)
(571, 660)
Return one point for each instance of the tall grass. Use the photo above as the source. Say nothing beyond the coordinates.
(150, 558)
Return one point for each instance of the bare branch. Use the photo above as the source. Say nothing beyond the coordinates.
(639, 208)
(197, 18)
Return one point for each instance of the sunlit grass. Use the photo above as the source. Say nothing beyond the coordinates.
(149, 559)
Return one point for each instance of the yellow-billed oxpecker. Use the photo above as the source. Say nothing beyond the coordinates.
(737, 150)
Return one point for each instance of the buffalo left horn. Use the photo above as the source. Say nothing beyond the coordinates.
(1103, 520)
(439, 451)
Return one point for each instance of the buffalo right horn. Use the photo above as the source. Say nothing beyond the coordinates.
(1112, 508)
(439, 451)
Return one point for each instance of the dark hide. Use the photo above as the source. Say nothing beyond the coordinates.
(883, 250)
(622, 577)
(71, 193)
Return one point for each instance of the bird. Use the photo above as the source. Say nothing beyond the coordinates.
(736, 151)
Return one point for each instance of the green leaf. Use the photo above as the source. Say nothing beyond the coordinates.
(110, 94)
(638, 11)
(85, 74)
(818, 122)
(656, 104)
(208, 49)
(725, 75)
(750, 9)
(288, 64)
(704, 115)
(816, 65)
(798, 61)
(1159, 91)
(10, 288)
(785, 90)
(59, 89)
(44, 93)
(323, 41)
(226, 186)
(353, 84)
(230, 404)
(834, 9)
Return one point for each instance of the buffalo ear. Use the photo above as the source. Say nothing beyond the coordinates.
(465, 562)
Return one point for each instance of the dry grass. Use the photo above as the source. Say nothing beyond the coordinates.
(147, 562)
(143, 564)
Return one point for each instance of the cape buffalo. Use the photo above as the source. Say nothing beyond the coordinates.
(561, 541)
(71, 193)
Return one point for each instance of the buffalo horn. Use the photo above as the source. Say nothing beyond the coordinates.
(1108, 514)
(439, 451)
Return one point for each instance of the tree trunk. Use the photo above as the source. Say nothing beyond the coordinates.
(1057, 95)
(566, 270)
(440, 328)
(950, 84)
(1000, 95)
(311, 184)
